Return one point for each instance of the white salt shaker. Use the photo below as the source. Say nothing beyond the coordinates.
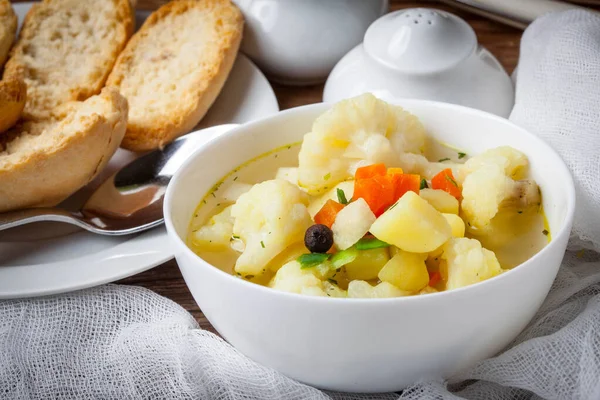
(299, 41)
(424, 54)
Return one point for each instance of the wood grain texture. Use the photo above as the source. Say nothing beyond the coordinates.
(501, 40)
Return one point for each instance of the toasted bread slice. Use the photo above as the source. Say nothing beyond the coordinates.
(8, 29)
(12, 100)
(174, 67)
(42, 163)
(66, 49)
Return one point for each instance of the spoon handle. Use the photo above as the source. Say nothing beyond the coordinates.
(22, 217)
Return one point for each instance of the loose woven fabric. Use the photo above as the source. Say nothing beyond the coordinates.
(119, 342)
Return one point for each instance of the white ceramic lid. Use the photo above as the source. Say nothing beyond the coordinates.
(419, 40)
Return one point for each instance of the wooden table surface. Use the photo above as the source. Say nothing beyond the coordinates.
(501, 40)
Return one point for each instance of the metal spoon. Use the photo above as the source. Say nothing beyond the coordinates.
(129, 201)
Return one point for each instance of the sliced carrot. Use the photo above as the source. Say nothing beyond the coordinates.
(406, 183)
(434, 278)
(328, 212)
(395, 171)
(445, 181)
(377, 191)
(370, 171)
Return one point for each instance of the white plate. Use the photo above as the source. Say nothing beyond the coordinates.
(50, 258)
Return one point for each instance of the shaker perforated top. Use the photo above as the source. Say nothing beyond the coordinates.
(419, 40)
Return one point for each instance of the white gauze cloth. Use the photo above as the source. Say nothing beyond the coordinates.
(119, 342)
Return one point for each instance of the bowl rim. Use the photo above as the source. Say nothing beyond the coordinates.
(214, 143)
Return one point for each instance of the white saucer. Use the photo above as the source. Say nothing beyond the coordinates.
(50, 258)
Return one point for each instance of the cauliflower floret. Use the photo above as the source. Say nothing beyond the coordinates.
(292, 278)
(512, 161)
(363, 289)
(488, 185)
(353, 131)
(467, 262)
(483, 191)
(216, 234)
(268, 218)
(418, 164)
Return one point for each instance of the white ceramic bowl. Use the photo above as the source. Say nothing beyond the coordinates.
(370, 345)
(299, 41)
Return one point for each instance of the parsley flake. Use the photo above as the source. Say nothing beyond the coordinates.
(341, 196)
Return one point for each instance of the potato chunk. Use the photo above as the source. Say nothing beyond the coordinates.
(457, 225)
(467, 262)
(441, 200)
(412, 225)
(406, 271)
(268, 218)
(352, 223)
(367, 264)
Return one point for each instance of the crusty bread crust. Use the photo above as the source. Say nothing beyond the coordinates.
(174, 67)
(66, 49)
(42, 163)
(12, 100)
(8, 29)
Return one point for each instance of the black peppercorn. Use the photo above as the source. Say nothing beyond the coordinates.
(318, 238)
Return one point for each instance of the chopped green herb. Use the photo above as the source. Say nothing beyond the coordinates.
(332, 281)
(235, 179)
(443, 159)
(424, 184)
(461, 155)
(213, 195)
(452, 181)
(341, 196)
(276, 155)
(545, 232)
(520, 212)
(344, 257)
(204, 201)
(327, 176)
(392, 206)
(262, 244)
(370, 243)
(312, 259)
(218, 204)
(235, 237)
(238, 274)
(249, 276)
(289, 147)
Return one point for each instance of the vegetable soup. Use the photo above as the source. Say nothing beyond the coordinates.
(368, 206)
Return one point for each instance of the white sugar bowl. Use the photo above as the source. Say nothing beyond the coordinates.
(427, 54)
(299, 42)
